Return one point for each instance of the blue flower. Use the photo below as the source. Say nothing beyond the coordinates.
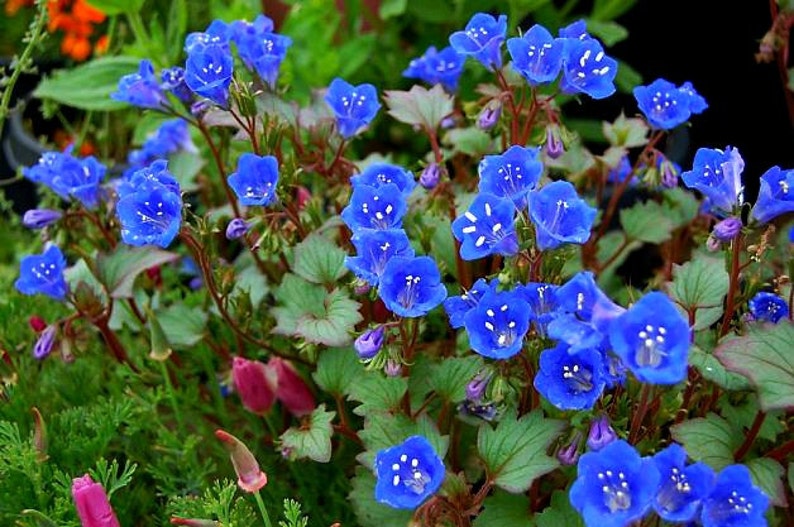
(172, 80)
(437, 67)
(374, 249)
(369, 343)
(537, 55)
(354, 106)
(718, 175)
(486, 228)
(482, 39)
(570, 381)
(216, 34)
(512, 174)
(497, 324)
(140, 89)
(666, 106)
(682, 486)
(542, 299)
(68, 176)
(587, 69)
(575, 333)
(375, 208)
(242, 29)
(155, 174)
(150, 213)
(581, 296)
(600, 433)
(170, 137)
(619, 173)
(775, 196)
(457, 306)
(408, 473)
(560, 215)
(255, 180)
(208, 73)
(410, 287)
(378, 174)
(614, 486)
(260, 48)
(768, 307)
(735, 501)
(576, 30)
(652, 340)
(43, 274)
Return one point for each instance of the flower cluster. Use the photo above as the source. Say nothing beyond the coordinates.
(69, 177)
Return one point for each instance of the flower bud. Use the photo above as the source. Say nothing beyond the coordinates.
(236, 229)
(302, 196)
(668, 174)
(91, 501)
(554, 146)
(477, 386)
(45, 342)
(490, 115)
(250, 382)
(447, 122)
(392, 368)
(601, 434)
(40, 218)
(250, 477)
(39, 435)
(369, 343)
(289, 387)
(727, 229)
(569, 454)
(200, 107)
(361, 287)
(430, 176)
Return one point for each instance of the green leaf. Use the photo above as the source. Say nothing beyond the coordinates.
(559, 513)
(627, 77)
(384, 430)
(299, 299)
(319, 260)
(377, 392)
(713, 370)
(626, 132)
(356, 52)
(503, 509)
(764, 356)
(119, 269)
(312, 439)
(88, 86)
(470, 141)
(185, 166)
(176, 28)
(369, 512)
(450, 376)
(184, 326)
(392, 8)
(337, 369)
(609, 9)
(115, 7)
(700, 285)
(710, 439)
(332, 327)
(768, 475)
(420, 106)
(80, 273)
(646, 222)
(515, 451)
(680, 206)
(610, 33)
(790, 472)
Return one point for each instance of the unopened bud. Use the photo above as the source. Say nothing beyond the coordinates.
(490, 115)
(477, 386)
(236, 229)
(37, 323)
(250, 382)
(369, 343)
(250, 477)
(40, 218)
(190, 522)
(290, 388)
(92, 504)
(669, 173)
(392, 368)
(45, 342)
(39, 435)
(601, 434)
(554, 146)
(569, 454)
(727, 229)
(430, 176)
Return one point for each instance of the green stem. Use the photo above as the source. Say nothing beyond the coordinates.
(262, 509)
(172, 396)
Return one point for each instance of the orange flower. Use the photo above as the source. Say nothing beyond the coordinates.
(12, 6)
(75, 46)
(76, 19)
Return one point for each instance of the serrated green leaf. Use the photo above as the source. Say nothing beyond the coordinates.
(503, 509)
(710, 439)
(337, 369)
(420, 106)
(713, 370)
(700, 285)
(680, 206)
(369, 512)
(764, 356)
(299, 298)
(626, 132)
(115, 7)
(119, 269)
(333, 327)
(559, 513)
(319, 260)
(184, 326)
(312, 439)
(449, 377)
(377, 392)
(768, 476)
(384, 430)
(646, 222)
(515, 451)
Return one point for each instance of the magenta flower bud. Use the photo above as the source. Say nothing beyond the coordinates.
(251, 383)
(40, 218)
(392, 368)
(490, 115)
(236, 229)
(369, 343)
(250, 477)
(727, 229)
(554, 146)
(601, 434)
(569, 454)
(290, 388)
(91, 501)
(430, 176)
(45, 342)
(477, 386)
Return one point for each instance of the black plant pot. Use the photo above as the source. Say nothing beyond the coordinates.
(19, 149)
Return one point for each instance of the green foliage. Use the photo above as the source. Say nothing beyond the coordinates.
(646, 222)
(312, 440)
(420, 106)
(503, 509)
(710, 439)
(699, 287)
(319, 261)
(293, 515)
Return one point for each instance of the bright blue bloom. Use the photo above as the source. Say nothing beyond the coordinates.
(263, 52)
(374, 249)
(155, 174)
(575, 333)
(614, 486)
(408, 473)
(457, 306)
(735, 501)
(482, 39)
(255, 180)
(768, 307)
(486, 228)
(173, 80)
(497, 324)
(68, 176)
(512, 174)
(216, 34)
(575, 31)
(375, 208)
(560, 215)
(208, 73)
(682, 486)
(410, 287)
(652, 340)
(369, 343)
(718, 175)
(171, 137)
(242, 29)
(437, 67)
(581, 296)
(542, 299)
(378, 174)
(140, 89)
(775, 196)
(587, 69)
(537, 55)
(354, 106)
(150, 213)
(666, 106)
(40, 218)
(43, 274)
(570, 381)
(236, 228)
(601, 433)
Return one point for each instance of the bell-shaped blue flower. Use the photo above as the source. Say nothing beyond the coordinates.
(208, 73)
(150, 215)
(682, 487)
(582, 297)
(735, 501)
(768, 307)
(457, 306)
(537, 55)
(512, 174)
(378, 174)
(560, 215)
(482, 39)
(43, 274)
(652, 339)
(68, 176)
(374, 249)
(375, 208)
(542, 299)
(576, 30)
(216, 34)
(575, 333)
(265, 55)
(570, 381)
(587, 69)
(775, 196)
(486, 228)
(256, 178)
(408, 473)
(437, 67)
(155, 174)
(354, 106)
(718, 175)
(614, 486)
(497, 324)
(411, 287)
(172, 80)
(140, 89)
(665, 106)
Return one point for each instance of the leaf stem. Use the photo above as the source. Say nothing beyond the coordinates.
(733, 284)
(262, 509)
(750, 437)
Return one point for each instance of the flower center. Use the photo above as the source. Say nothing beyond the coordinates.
(735, 505)
(577, 378)
(410, 291)
(674, 493)
(410, 475)
(504, 334)
(616, 490)
(650, 350)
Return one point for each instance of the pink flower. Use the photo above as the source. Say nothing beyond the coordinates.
(250, 477)
(290, 388)
(250, 382)
(92, 503)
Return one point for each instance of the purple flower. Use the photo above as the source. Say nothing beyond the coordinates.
(718, 175)
(570, 381)
(587, 69)
(554, 145)
(600, 434)
(775, 196)
(140, 89)
(486, 228)
(354, 106)
(374, 249)
(40, 218)
(490, 115)
(411, 287)
(208, 73)
(768, 307)
(497, 324)
(436, 67)
(430, 176)
(569, 454)
(369, 343)
(727, 229)
(682, 487)
(537, 55)
(236, 228)
(476, 387)
(735, 501)
(379, 174)
(43, 274)
(45, 342)
(256, 178)
(666, 106)
(511, 174)
(408, 473)
(482, 39)
(560, 215)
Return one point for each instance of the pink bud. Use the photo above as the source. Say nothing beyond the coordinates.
(290, 387)
(302, 195)
(250, 477)
(250, 381)
(92, 503)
